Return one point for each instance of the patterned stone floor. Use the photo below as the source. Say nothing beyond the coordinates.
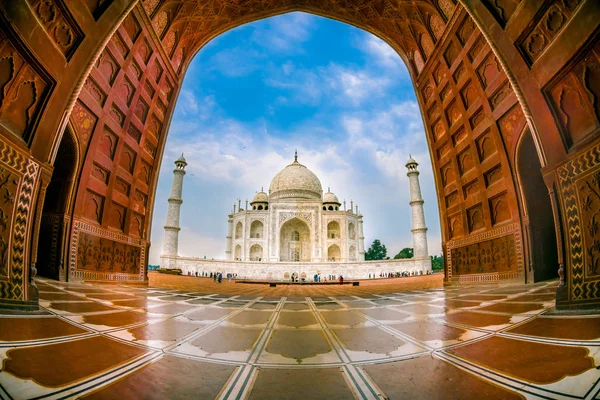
(117, 342)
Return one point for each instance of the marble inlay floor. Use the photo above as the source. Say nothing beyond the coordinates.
(476, 342)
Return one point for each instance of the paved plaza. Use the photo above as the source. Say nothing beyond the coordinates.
(331, 342)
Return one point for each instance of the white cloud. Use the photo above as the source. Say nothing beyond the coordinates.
(284, 33)
(381, 52)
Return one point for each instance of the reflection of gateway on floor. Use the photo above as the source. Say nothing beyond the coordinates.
(296, 223)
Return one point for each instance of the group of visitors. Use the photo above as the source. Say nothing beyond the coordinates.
(216, 276)
(398, 274)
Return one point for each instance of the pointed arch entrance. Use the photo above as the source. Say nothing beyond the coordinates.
(295, 241)
(542, 260)
(52, 251)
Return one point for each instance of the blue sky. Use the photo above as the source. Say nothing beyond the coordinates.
(253, 95)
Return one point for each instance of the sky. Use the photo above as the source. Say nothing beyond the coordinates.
(252, 96)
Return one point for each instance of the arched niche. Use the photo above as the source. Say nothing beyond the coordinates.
(294, 241)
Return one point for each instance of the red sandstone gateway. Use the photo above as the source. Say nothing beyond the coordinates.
(509, 92)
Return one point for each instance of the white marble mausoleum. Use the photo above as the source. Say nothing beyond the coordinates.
(295, 222)
(296, 228)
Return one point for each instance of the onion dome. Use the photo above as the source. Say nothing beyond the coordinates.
(295, 182)
(330, 198)
(260, 197)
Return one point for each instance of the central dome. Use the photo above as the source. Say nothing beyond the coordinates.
(295, 182)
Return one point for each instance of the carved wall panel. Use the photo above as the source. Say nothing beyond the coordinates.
(574, 96)
(547, 23)
(19, 176)
(579, 181)
(496, 255)
(511, 125)
(103, 255)
(84, 122)
(59, 24)
(24, 89)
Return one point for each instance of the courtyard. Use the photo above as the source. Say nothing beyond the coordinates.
(185, 337)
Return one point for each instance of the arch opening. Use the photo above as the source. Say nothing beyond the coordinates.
(542, 251)
(333, 230)
(52, 251)
(295, 239)
(238, 252)
(256, 252)
(334, 253)
(257, 230)
(239, 230)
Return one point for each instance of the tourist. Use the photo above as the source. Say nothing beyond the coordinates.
(341, 280)
(214, 275)
(220, 277)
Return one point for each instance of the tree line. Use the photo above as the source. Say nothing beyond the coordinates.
(378, 251)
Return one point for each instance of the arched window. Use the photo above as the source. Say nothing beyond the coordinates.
(351, 231)
(330, 208)
(295, 236)
(256, 253)
(238, 230)
(260, 207)
(333, 230)
(266, 207)
(256, 229)
(324, 208)
(352, 253)
(254, 207)
(337, 209)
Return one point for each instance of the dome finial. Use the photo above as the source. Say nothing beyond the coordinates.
(296, 156)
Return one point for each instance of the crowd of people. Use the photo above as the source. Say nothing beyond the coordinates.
(398, 274)
(216, 276)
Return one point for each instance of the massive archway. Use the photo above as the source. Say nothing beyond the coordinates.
(477, 68)
(295, 241)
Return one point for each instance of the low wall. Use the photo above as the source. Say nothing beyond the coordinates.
(278, 270)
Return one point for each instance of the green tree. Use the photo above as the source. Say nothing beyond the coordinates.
(377, 251)
(406, 252)
(437, 263)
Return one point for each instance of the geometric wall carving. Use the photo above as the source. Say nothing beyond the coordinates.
(579, 181)
(496, 255)
(549, 21)
(104, 255)
(499, 209)
(23, 90)
(574, 97)
(59, 24)
(93, 206)
(475, 218)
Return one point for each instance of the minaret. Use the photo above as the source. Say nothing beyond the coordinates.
(229, 245)
(361, 239)
(419, 230)
(172, 225)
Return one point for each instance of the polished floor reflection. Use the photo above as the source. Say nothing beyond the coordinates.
(118, 342)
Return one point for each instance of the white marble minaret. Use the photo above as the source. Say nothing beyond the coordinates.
(419, 230)
(172, 225)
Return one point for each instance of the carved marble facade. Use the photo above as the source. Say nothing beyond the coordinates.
(295, 222)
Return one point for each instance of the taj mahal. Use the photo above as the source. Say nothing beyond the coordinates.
(295, 229)
(295, 222)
